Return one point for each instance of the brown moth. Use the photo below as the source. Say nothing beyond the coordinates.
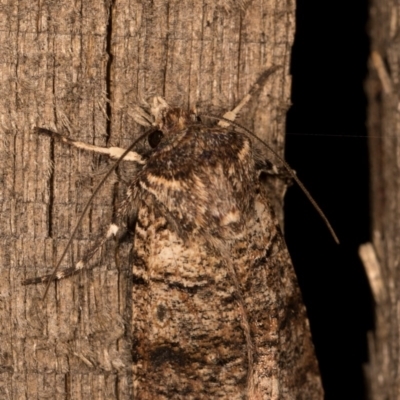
(216, 308)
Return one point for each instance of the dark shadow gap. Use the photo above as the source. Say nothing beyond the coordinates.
(328, 99)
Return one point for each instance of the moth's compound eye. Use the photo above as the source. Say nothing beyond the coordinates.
(155, 138)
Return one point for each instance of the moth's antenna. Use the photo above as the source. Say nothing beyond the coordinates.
(287, 166)
(88, 204)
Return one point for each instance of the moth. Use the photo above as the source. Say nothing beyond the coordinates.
(216, 308)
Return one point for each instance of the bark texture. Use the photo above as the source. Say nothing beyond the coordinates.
(381, 258)
(83, 68)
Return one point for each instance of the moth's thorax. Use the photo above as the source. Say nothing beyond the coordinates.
(204, 177)
(170, 120)
(176, 119)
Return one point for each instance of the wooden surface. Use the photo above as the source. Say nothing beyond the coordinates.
(381, 257)
(82, 68)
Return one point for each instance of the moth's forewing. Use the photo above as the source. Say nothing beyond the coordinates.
(285, 361)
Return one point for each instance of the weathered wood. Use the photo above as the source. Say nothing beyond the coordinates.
(381, 258)
(82, 68)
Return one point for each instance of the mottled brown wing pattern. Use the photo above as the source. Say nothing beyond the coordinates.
(285, 359)
(186, 323)
(187, 336)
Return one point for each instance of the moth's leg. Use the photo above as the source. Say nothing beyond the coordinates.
(111, 233)
(113, 152)
(268, 169)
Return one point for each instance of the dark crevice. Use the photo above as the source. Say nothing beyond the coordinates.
(189, 94)
(239, 53)
(109, 70)
(50, 209)
(166, 51)
(329, 103)
(52, 151)
(16, 91)
(67, 385)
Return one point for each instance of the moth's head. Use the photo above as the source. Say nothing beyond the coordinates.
(169, 119)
